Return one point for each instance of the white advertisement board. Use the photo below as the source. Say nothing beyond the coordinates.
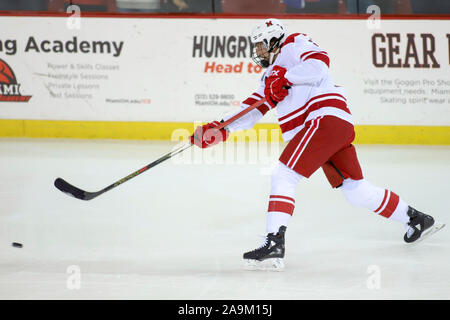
(183, 70)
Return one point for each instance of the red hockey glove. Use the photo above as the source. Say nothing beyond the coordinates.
(207, 135)
(276, 86)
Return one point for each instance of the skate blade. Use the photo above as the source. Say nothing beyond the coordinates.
(274, 264)
(434, 228)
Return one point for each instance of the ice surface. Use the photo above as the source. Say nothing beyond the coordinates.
(178, 231)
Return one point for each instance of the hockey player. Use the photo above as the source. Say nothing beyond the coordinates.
(315, 120)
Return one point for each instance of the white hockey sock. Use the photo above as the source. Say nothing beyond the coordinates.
(384, 202)
(275, 220)
(281, 200)
(401, 213)
(393, 207)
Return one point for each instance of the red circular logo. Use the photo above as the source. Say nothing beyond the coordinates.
(6, 74)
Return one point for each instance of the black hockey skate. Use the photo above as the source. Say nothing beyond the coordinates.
(421, 226)
(270, 255)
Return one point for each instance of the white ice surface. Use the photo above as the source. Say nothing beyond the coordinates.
(178, 231)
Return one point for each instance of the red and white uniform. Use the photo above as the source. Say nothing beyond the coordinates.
(316, 122)
(314, 110)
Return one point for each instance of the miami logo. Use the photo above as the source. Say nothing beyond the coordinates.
(9, 87)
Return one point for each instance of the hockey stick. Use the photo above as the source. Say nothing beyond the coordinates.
(75, 192)
(78, 193)
(241, 114)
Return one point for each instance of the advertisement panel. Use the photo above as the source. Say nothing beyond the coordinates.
(185, 70)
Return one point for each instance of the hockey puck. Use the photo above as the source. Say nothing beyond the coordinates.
(17, 245)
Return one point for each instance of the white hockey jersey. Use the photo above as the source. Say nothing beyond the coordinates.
(312, 95)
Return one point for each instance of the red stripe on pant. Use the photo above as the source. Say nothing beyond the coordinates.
(305, 140)
(281, 206)
(392, 200)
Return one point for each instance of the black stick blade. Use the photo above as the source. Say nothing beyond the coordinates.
(70, 190)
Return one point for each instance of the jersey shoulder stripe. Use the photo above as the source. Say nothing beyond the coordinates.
(290, 39)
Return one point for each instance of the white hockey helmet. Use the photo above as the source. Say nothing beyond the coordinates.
(271, 33)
